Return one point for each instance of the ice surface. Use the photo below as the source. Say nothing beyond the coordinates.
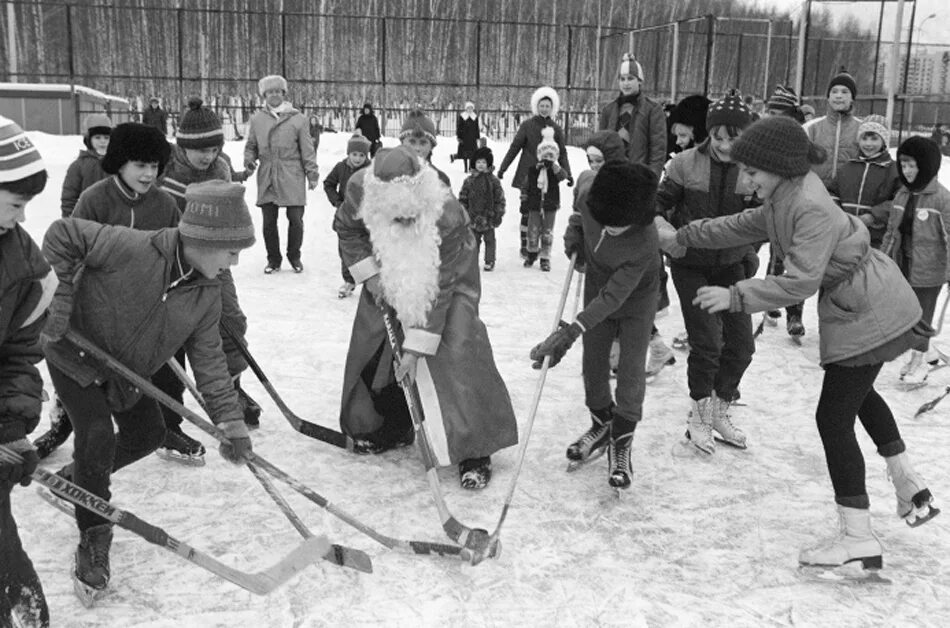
(693, 543)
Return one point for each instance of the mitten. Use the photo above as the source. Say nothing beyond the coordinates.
(501, 175)
(57, 320)
(13, 472)
(570, 182)
(574, 243)
(238, 447)
(555, 345)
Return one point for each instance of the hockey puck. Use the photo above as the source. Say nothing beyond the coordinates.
(478, 539)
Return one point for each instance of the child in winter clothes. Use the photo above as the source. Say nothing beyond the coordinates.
(837, 131)
(866, 185)
(87, 169)
(26, 287)
(357, 151)
(866, 316)
(542, 200)
(418, 133)
(544, 105)
(613, 235)
(918, 235)
(484, 200)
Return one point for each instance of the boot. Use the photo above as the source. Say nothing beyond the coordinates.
(794, 326)
(92, 556)
(546, 265)
(59, 430)
(591, 443)
(913, 497)
(618, 453)
(660, 356)
(179, 447)
(475, 473)
(699, 426)
(915, 372)
(530, 258)
(854, 542)
(722, 423)
(345, 290)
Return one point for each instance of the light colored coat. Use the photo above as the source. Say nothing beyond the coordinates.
(837, 133)
(282, 143)
(930, 244)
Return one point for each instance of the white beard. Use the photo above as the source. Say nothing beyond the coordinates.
(407, 251)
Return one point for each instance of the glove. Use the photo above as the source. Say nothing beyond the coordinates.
(13, 472)
(238, 448)
(570, 182)
(57, 320)
(574, 243)
(556, 345)
(250, 167)
(501, 175)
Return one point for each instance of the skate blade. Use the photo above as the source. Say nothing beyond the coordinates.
(796, 340)
(574, 465)
(180, 458)
(918, 517)
(686, 449)
(733, 444)
(87, 595)
(911, 386)
(849, 573)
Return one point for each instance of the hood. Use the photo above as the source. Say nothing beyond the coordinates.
(927, 155)
(545, 92)
(609, 143)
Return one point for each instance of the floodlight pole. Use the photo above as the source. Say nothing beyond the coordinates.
(892, 63)
(802, 37)
(768, 58)
(674, 68)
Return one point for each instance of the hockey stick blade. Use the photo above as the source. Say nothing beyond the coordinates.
(930, 405)
(260, 583)
(303, 426)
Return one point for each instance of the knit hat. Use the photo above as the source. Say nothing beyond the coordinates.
(630, 66)
(18, 156)
(418, 124)
(273, 81)
(843, 78)
(96, 124)
(199, 127)
(132, 141)
(216, 216)
(486, 154)
(548, 148)
(395, 164)
(610, 145)
(692, 111)
(623, 194)
(783, 98)
(729, 111)
(357, 144)
(775, 144)
(927, 155)
(875, 124)
(807, 110)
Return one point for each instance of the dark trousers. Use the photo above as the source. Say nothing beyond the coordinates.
(20, 588)
(720, 345)
(98, 450)
(845, 392)
(777, 267)
(294, 233)
(344, 269)
(927, 297)
(166, 381)
(523, 231)
(490, 246)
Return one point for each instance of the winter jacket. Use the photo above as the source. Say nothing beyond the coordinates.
(111, 202)
(26, 288)
(863, 301)
(698, 185)
(536, 199)
(930, 241)
(81, 174)
(156, 117)
(179, 174)
(867, 186)
(646, 131)
(837, 133)
(526, 141)
(280, 139)
(484, 200)
(335, 183)
(368, 125)
(159, 310)
(467, 133)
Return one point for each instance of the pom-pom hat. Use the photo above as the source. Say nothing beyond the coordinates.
(729, 111)
(199, 127)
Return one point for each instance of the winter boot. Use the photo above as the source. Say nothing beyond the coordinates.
(529, 259)
(591, 443)
(488, 267)
(660, 356)
(475, 473)
(618, 453)
(346, 290)
(794, 326)
(59, 430)
(854, 542)
(92, 560)
(179, 447)
(913, 497)
(252, 411)
(700, 426)
(915, 372)
(722, 423)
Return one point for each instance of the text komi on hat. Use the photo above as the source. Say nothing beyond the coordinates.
(358, 144)
(18, 156)
(775, 144)
(623, 194)
(199, 127)
(131, 141)
(273, 81)
(729, 111)
(875, 124)
(630, 66)
(843, 78)
(216, 216)
(418, 124)
(782, 99)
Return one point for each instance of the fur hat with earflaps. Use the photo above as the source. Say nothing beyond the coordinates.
(623, 194)
(273, 81)
(691, 112)
(483, 152)
(132, 141)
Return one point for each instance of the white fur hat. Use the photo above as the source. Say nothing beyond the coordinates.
(274, 81)
(549, 93)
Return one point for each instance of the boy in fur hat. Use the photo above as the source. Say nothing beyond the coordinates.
(484, 200)
(612, 234)
(87, 169)
(279, 136)
(409, 242)
(357, 151)
(542, 200)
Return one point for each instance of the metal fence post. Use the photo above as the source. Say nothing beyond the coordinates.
(739, 64)
(567, 82)
(478, 62)
(674, 64)
(710, 37)
(181, 57)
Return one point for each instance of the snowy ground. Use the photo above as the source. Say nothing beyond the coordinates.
(693, 543)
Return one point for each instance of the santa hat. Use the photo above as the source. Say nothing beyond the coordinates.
(199, 127)
(418, 124)
(623, 194)
(542, 93)
(548, 148)
(19, 158)
(216, 216)
(132, 141)
(274, 81)
(629, 66)
(96, 124)
(875, 124)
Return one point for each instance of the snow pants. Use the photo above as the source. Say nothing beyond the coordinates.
(20, 590)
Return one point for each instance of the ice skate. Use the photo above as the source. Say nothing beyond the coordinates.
(592, 444)
(795, 328)
(475, 473)
(91, 574)
(545, 265)
(618, 462)
(179, 447)
(914, 500)
(59, 430)
(345, 290)
(700, 426)
(855, 553)
(681, 341)
(914, 373)
(725, 431)
(660, 356)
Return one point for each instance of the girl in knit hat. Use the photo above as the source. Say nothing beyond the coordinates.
(837, 131)
(87, 169)
(357, 151)
(866, 310)
(918, 235)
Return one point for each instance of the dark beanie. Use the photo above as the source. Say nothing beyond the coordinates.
(132, 141)
(216, 216)
(623, 194)
(843, 78)
(484, 153)
(729, 111)
(199, 127)
(776, 144)
(927, 155)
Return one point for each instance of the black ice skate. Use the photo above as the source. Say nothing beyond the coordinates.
(593, 443)
(91, 575)
(179, 447)
(618, 456)
(795, 328)
(59, 431)
(475, 473)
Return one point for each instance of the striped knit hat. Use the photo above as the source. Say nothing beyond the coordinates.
(18, 156)
(199, 127)
(630, 66)
(216, 216)
(783, 99)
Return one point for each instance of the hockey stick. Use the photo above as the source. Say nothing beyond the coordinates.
(474, 539)
(303, 426)
(338, 554)
(535, 401)
(930, 405)
(260, 583)
(143, 384)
